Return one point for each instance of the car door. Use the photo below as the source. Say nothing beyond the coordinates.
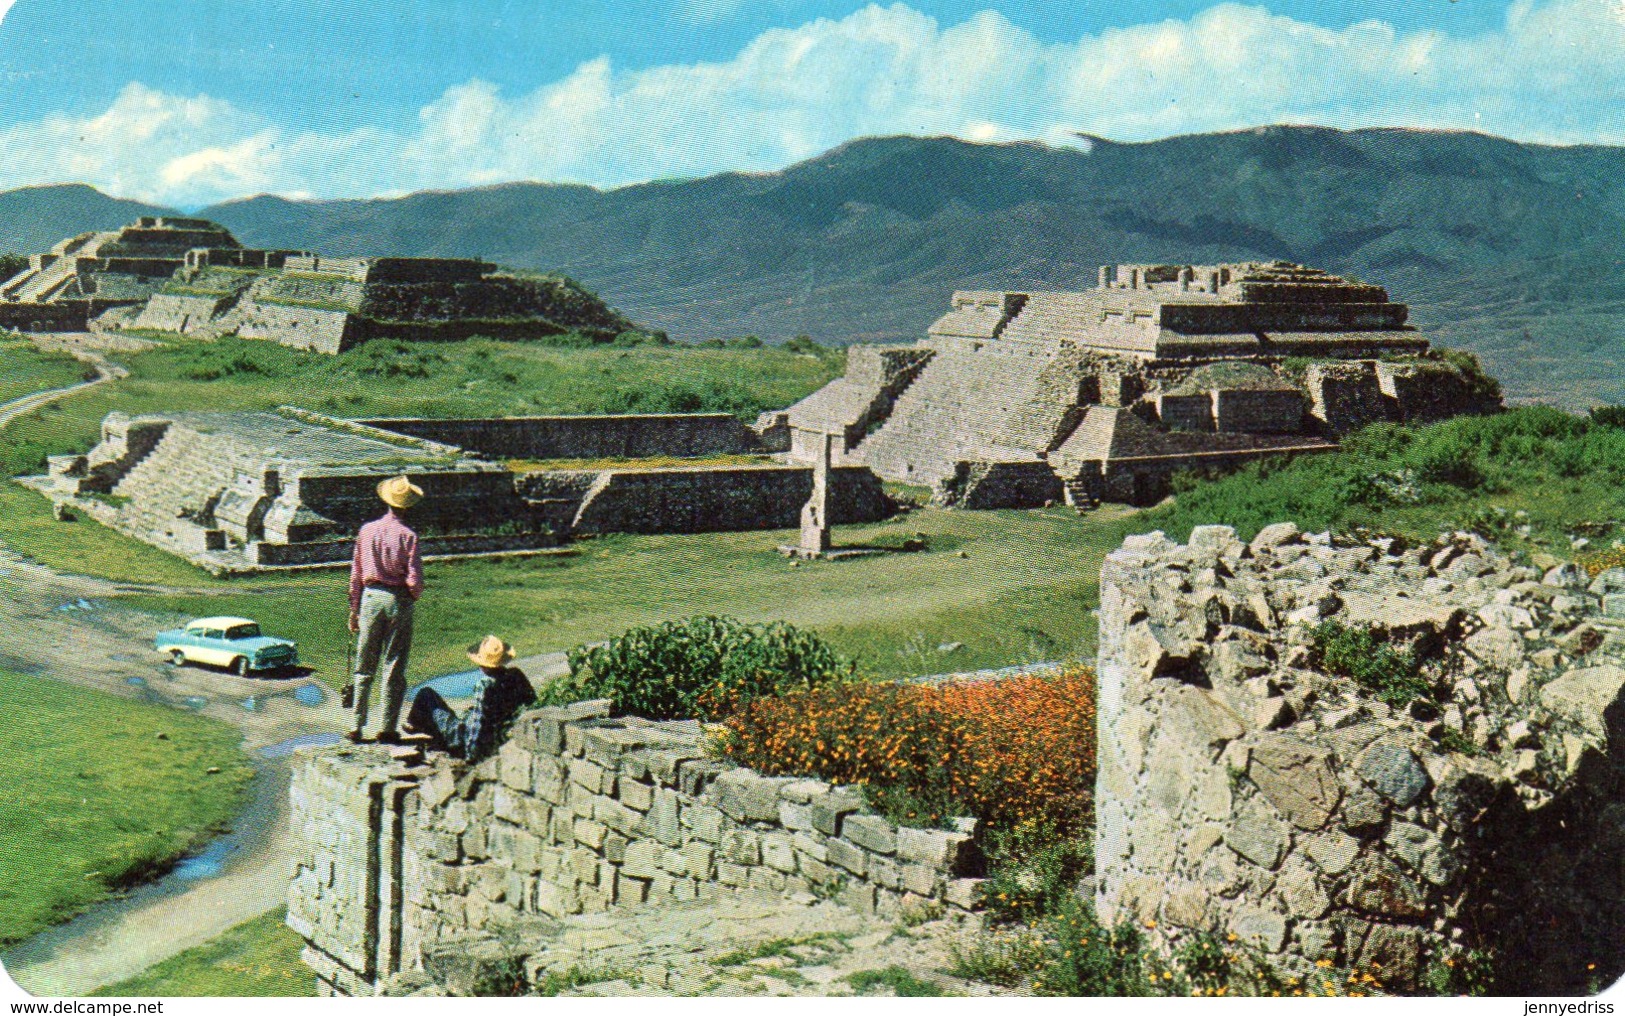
(212, 648)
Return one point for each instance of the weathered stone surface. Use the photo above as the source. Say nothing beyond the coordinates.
(1296, 778)
(1377, 886)
(1258, 835)
(1332, 851)
(1585, 696)
(1199, 720)
(871, 832)
(1259, 928)
(1392, 770)
(1302, 890)
(1275, 535)
(1498, 647)
(829, 810)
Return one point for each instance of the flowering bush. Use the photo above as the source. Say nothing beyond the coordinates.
(1013, 752)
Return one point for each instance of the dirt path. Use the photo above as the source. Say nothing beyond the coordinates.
(81, 349)
(74, 629)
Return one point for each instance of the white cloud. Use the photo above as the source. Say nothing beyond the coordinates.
(1554, 73)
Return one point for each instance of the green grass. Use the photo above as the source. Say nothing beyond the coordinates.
(478, 377)
(256, 959)
(897, 978)
(1564, 473)
(95, 801)
(774, 947)
(84, 547)
(1021, 594)
(25, 370)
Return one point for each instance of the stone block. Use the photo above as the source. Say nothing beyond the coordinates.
(635, 795)
(696, 776)
(705, 822)
(812, 845)
(1258, 835)
(844, 855)
(744, 796)
(831, 809)
(767, 879)
(582, 801)
(556, 901)
(587, 774)
(699, 860)
(1392, 770)
(1302, 890)
(730, 874)
(1296, 778)
(1186, 906)
(630, 890)
(642, 859)
(816, 871)
(871, 832)
(615, 848)
(802, 791)
(515, 767)
(778, 852)
(795, 816)
(1333, 851)
(1259, 928)
(742, 846)
(663, 821)
(923, 879)
(674, 861)
(885, 872)
(589, 833)
(965, 893)
(1584, 696)
(617, 816)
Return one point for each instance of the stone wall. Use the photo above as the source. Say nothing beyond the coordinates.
(705, 499)
(1245, 791)
(576, 813)
(642, 435)
(318, 330)
(46, 317)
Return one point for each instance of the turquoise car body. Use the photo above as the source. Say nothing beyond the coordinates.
(232, 642)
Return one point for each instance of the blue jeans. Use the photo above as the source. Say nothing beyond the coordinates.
(431, 715)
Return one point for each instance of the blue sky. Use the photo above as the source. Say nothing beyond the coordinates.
(188, 101)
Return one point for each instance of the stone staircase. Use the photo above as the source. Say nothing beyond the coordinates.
(40, 286)
(1051, 317)
(959, 408)
(181, 477)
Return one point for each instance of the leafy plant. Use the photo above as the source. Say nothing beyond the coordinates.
(1033, 872)
(704, 667)
(1394, 677)
(901, 980)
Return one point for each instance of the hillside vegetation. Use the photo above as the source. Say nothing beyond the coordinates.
(1532, 477)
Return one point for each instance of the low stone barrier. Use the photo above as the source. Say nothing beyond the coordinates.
(577, 813)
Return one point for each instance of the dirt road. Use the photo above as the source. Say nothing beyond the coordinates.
(83, 346)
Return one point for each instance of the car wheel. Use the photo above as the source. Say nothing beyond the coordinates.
(177, 658)
(239, 666)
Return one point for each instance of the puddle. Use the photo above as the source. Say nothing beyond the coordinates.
(282, 749)
(251, 703)
(78, 605)
(207, 863)
(194, 702)
(139, 682)
(309, 695)
(452, 686)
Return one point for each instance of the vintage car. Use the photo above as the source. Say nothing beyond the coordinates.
(232, 642)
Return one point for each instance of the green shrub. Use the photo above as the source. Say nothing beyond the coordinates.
(902, 982)
(1085, 958)
(704, 667)
(1608, 416)
(1393, 676)
(1033, 872)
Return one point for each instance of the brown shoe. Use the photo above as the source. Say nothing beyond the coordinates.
(354, 737)
(388, 737)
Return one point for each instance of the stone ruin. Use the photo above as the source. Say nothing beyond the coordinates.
(1245, 791)
(240, 492)
(1019, 399)
(191, 276)
(407, 865)
(87, 275)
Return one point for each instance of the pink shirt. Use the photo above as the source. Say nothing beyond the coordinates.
(386, 554)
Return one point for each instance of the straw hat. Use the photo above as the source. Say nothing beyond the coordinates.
(491, 652)
(399, 492)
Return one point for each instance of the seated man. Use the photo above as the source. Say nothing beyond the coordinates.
(500, 692)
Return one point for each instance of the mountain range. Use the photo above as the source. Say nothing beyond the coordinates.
(1513, 250)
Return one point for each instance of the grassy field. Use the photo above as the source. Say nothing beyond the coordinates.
(387, 378)
(1021, 593)
(25, 370)
(256, 959)
(101, 792)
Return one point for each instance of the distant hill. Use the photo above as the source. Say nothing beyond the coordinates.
(1517, 251)
(34, 218)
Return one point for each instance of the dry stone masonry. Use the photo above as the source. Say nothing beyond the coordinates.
(1017, 399)
(1245, 791)
(578, 814)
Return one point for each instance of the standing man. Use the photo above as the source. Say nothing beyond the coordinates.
(386, 579)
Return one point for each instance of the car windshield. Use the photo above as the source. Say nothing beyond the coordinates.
(243, 631)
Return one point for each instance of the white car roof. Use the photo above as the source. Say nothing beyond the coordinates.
(219, 622)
